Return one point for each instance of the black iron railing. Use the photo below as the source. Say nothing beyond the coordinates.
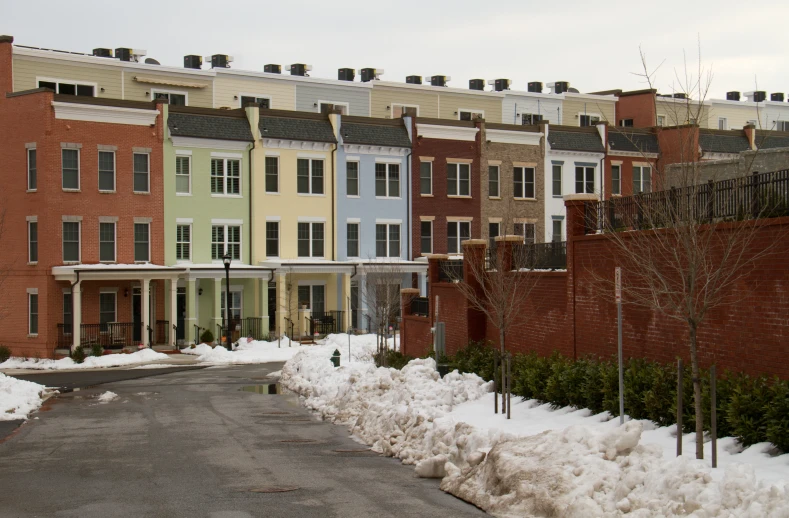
(112, 335)
(162, 331)
(420, 306)
(253, 326)
(757, 195)
(540, 256)
(326, 322)
(450, 271)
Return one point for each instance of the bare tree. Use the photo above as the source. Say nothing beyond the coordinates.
(679, 256)
(381, 295)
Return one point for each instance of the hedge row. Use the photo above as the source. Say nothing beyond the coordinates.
(753, 409)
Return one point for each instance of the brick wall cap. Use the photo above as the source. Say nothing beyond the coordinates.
(474, 242)
(6, 39)
(439, 257)
(581, 197)
(409, 291)
(516, 239)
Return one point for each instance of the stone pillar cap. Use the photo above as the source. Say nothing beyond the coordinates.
(437, 256)
(409, 291)
(581, 197)
(516, 239)
(474, 242)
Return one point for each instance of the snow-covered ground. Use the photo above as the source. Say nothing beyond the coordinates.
(91, 362)
(18, 397)
(543, 462)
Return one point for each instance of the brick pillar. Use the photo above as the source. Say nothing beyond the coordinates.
(474, 254)
(750, 133)
(576, 229)
(406, 295)
(504, 250)
(6, 66)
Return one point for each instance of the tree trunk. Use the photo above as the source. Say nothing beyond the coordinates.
(697, 403)
(504, 380)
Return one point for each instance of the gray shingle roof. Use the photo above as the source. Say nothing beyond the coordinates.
(296, 129)
(630, 141)
(209, 126)
(714, 143)
(375, 135)
(575, 141)
(767, 141)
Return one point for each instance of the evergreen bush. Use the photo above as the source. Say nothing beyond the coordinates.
(207, 337)
(78, 354)
(5, 353)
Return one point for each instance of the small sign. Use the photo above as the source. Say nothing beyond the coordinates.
(618, 283)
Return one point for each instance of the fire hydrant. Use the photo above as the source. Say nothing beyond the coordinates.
(335, 358)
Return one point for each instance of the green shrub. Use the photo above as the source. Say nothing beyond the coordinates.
(207, 337)
(777, 415)
(78, 354)
(5, 353)
(748, 408)
(476, 357)
(394, 359)
(96, 350)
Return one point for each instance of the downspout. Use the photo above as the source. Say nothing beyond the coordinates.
(249, 226)
(333, 218)
(602, 178)
(74, 313)
(408, 205)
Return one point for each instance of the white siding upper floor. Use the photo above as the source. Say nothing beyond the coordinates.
(516, 105)
(354, 97)
(232, 85)
(767, 115)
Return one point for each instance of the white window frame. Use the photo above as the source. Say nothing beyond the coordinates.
(114, 293)
(432, 235)
(79, 243)
(554, 221)
(148, 155)
(188, 243)
(279, 236)
(265, 173)
(310, 223)
(394, 106)
(457, 223)
(779, 125)
(241, 95)
(33, 292)
(641, 178)
(188, 157)
(618, 166)
(358, 177)
(523, 182)
(312, 284)
(224, 158)
(310, 160)
(114, 170)
(114, 241)
(498, 182)
(345, 105)
(457, 179)
(155, 91)
(134, 241)
(389, 224)
(575, 177)
(358, 238)
(592, 116)
(661, 120)
(430, 162)
(234, 288)
(531, 116)
(27, 153)
(79, 169)
(388, 195)
(68, 81)
(32, 220)
(472, 111)
(225, 243)
(723, 121)
(560, 165)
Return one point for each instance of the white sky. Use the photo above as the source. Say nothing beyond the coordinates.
(593, 45)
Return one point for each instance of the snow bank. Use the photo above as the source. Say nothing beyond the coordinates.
(246, 352)
(18, 398)
(107, 397)
(91, 362)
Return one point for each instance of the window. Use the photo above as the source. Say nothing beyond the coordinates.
(400, 110)
(352, 176)
(327, 107)
(309, 176)
(272, 238)
(106, 171)
(32, 179)
(70, 165)
(779, 126)
(493, 181)
(142, 249)
(310, 239)
(661, 120)
(457, 232)
(556, 181)
(71, 242)
(225, 176)
(557, 231)
(426, 237)
(68, 318)
(616, 179)
(107, 310)
(183, 242)
(723, 123)
(426, 178)
(494, 231)
(225, 238)
(69, 87)
(387, 240)
(183, 182)
(171, 97)
(387, 180)
(626, 123)
(263, 102)
(470, 115)
(527, 231)
(588, 120)
(236, 300)
(141, 172)
(459, 179)
(528, 119)
(352, 240)
(32, 305)
(272, 174)
(584, 180)
(107, 242)
(523, 182)
(32, 241)
(642, 179)
(314, 297)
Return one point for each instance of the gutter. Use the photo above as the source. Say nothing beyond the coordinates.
(74, 313)
(249, 226)
(408, 204)
(333, 216)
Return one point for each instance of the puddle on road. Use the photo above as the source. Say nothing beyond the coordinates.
(270, 388)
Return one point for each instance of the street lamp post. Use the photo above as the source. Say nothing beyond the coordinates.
(226, 260)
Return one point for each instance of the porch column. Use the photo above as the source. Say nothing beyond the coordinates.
(345, 305)
(76, 327)
(191, 318)
(173, 311)
(282, 306)
(263, 304)
(423, 284)
(363, 321)
(217, 309)
(146, 309)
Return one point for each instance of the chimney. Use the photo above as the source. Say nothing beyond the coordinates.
(193, 61)
(750, 133)
(476, 84)
(6, 66)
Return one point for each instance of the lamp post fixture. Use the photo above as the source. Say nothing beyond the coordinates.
(226, 260)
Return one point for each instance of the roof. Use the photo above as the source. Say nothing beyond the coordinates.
(311, 129)
(721, 143)
(633, 141)
(375, 134)
(209, 126)
(575, 140)
(771, 139)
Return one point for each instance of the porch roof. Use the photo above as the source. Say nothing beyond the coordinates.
(377, 265)
(217, 271)
(115, 272)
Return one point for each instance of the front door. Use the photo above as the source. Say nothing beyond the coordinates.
(180, 311)
(355, 306)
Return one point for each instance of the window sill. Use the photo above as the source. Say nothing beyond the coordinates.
(525, 199)
(70, 263)
(183, 194)
(142, 262)
(183, 261)
(32, 263)
(226, 196)
(388, 198)
(557, 196)
(32, 335)
(32, 190)
(356, 196)
(71, 190)
(108, 262)
(101, 191)
(426, 195)
(458, 196)
(142, 192)
(494, 197)
(273, 193)
(311, 195)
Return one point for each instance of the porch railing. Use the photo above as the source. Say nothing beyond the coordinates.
(450, 271)
(253, 326)
(420, 306)
(113, 335)
(162, 331)
(326, 322)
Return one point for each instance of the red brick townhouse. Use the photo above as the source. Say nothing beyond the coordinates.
(446, 193)
(82, 240)
(631, 159)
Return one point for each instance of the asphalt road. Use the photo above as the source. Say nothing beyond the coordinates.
(69, 380)
(192, 443)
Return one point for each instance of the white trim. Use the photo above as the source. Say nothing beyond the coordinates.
(155, 91)
(311, 219)
(472, 111)
(30, 313)
(28, 149)
(380, 160)
(183, 152)
(457, 179)
(318, 156)
(447, 132)
(296, 144)
(114, 240)
(358, 223)
(32, 291)
(352, 158)
(208, 143)
(353, 220)
(589, 114)
(107, 114)
(189, 161)
(227, 222)
(114, 169)
(79, 243)
(184, 221)
(148, 155)
(272, 153)
(389, 221)
(335, 103)
(32, 220)
(69, 81)
(226, 177)
(526, 138)
(134, 241)
(239, 156)
(273, 218)
(427, 219)
(79, 169)
(256, 96)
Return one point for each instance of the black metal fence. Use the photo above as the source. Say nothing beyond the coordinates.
(450, 271)
(540, 256)
(420, 306)
(757, 195)
(326, 322)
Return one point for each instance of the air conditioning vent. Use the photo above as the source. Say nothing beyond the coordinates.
(220, 60)
(476, 84)
(778, 96)
(500, 85)
(102, 53)
(272, 69)
(732, 96)
(300, 69)
(413, 80)
(124, 54)
(438, 80)
(346, 74)
(370, 74)
(193, 61)
(535, 87)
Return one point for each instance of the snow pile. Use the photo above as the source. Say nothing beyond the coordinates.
(256, 351)
(91, 362)
(18, 398)
(107, 397)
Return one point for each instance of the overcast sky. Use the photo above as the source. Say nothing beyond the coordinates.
(593, 45)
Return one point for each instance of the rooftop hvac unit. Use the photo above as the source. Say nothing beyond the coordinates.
(535, 87)
(193, 61)
(778, 96)
(102, 53)
(125, 54)
(369, 74)
(438, 80)
(559, 87)
(680, 95)
(272, 69)
(220, 60)
(759, 96)
(346, 74)
(413, 80)
(500, 85)
(300, 69)
(476, 84)
(732, 96)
